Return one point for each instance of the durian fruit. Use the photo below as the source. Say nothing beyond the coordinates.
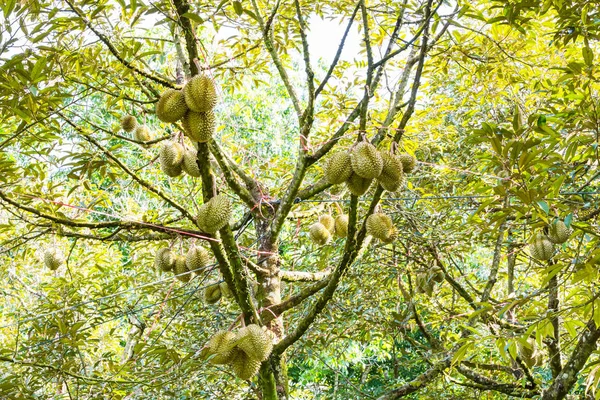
(255, 342)
(327, 221)
(244, 367)
(221, 347)
(558, 232)
(199, 126)
(381, 227)
(171, 158)
(189, 164)
(212, 294)
(214, 214)
(341, 226)
(408, 163)
(424, 284)
(366, 161)
(392, 174)
(142, 133)
(196, 259)
(338, 168)
(171, 106)
(164, 259)
(357, 185)
(225, 291)
(128, 123)
(200, 94)
(541, 248)
(319, 233)
(181, 270)
(53, 258)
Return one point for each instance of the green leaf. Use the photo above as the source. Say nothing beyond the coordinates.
(544, 206)
(237, 6)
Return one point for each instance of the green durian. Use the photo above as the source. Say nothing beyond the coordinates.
(196, 259)
(319, 233)
(200, 127)
(341, 226)
(327, 221)
(189, 164)
(366, 160)
(200, 94)
(408, 163)
(181, 270)
(171, 106)
(255, 342)
(53, 258)
(338, 168)
(541, 248)
(357, 185)
(164, 259)
(128, 123)
(558, 232)
(214, 214)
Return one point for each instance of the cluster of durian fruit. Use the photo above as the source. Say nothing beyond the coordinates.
(321, 231)
(195, 260)
(193, 106)
(243, 350)
(542, 246)
(363, 163)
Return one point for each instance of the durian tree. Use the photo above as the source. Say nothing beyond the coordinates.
(204, 143)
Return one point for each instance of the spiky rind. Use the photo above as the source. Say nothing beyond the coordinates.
(212, 294)
(319, 233)
(408, 163)
(338, 168)
(220, 347)
(541, 248)
(255, 342)
(181, 270)
(424, 284)
(164, 259)
(558, 232)
(128, 123)
(196, 259)
(171, 106)
(381, 227)
(214, 214)
(199, 126)
(357, 185)
(366, 161)
(170, 156)
(53, 258)
(392, 174)
(142, 133)
(328, 221)
(200, 94)
(244, 367)
(190, 164)
(341, 226)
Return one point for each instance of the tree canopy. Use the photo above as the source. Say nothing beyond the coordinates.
(266, 199)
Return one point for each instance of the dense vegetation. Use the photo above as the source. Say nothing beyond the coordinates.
(484, 285)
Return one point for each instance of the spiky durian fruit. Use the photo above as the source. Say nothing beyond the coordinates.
(171, 158)
(319, 233)
(392, 173)
(255, 342)
(53, 258)
(196, 259)
(181, 270)
(189, 164)
(200, 94)
(244, 367)
(164, 259)
(341, 226)
(541, 247)
(142, 133)
(220, 347)
(338, 168)
(366, 161)
(212, 294)
(327, 221)
(199, 126)
(128, 123)
(408, 163)
(357, 185)
(171, 106)
(558, 232)
(381, 227)
(214, 214)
